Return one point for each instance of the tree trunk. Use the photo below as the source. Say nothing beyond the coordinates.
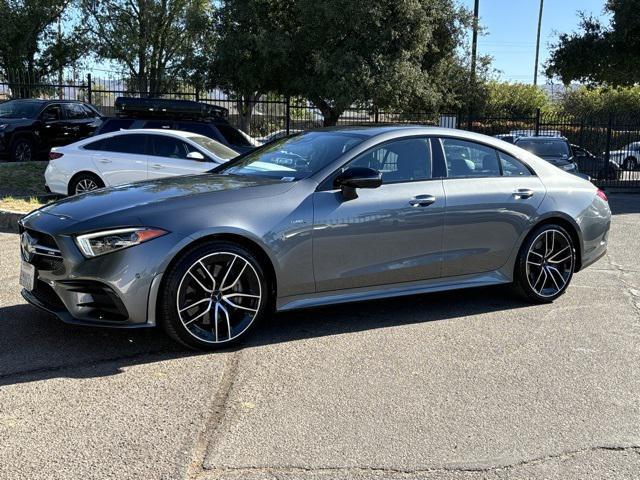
(330, 114)
(245, 105)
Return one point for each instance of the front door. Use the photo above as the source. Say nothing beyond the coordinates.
(169, 158)
(387, 235)
(491, 199)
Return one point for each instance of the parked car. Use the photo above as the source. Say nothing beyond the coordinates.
(278, 134)
(29, 128)
(593, 165)
(130, 156)
(628, 157)
(323, 217)
(194, 117)
(555, 150)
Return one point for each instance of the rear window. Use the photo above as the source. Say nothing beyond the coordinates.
(233, 136)
(546, 148)
(115, 124)
(199, 128)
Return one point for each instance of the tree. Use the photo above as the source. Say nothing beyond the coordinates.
(251, 47)
(153, 39)
(30, 47)
(601, 54)
(395, 53)
(599, 102)
(506, 99)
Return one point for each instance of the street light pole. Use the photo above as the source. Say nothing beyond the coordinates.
(535, 71)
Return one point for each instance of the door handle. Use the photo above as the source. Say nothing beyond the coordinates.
(158, 166)
(422, 200)
(523, 193)
(105, 160)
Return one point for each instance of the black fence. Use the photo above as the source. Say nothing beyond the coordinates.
(606, 149)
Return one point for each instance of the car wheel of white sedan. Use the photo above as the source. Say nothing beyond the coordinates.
(84, 182)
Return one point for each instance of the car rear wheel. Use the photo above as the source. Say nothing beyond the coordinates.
(213, 296)
(545, 264)
(84, 182)
(23, 150)
(630, 163)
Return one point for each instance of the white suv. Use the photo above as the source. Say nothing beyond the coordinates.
(129, 156)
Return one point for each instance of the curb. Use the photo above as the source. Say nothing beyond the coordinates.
(9, 221)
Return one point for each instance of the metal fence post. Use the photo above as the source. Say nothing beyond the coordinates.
(197, 94)
(287, 113)
(537, 127)
(607, 151)
(376, 114)
(89, 92)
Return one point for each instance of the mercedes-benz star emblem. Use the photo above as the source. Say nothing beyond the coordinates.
(28, 244)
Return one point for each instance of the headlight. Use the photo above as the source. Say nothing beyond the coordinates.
(99, 243)
(3, 126)
(569, 166)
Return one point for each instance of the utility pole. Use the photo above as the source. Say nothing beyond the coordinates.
(535, 71)
(60, 87)
(474, 41)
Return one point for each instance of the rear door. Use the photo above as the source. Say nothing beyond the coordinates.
(491, 199)
(121, 158)
(169, 157)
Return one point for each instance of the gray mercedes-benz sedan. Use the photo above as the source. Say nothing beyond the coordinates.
(323, 217)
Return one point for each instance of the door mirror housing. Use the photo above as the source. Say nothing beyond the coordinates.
(195, 156)
(357, 177)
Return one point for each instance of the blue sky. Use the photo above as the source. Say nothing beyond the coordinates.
(510, 31)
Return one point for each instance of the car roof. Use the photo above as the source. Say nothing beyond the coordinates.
(213, 121)
(541, 138)
(43, 101)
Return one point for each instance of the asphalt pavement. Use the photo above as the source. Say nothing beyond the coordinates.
(458, 385)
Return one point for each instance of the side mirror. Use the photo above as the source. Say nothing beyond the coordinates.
(195, 156)
(357, 177)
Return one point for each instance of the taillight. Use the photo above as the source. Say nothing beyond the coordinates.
(54, 155)
(602, 195)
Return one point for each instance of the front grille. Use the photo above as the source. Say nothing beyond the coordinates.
(41, 250)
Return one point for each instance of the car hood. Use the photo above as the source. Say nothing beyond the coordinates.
(127, 202)
(556, 160)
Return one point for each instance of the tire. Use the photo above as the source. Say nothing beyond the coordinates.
(84, 182)
(206, 310)
(630, 163)
(23, 150)
(546, 245)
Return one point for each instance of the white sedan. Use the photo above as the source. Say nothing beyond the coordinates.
(129, 156)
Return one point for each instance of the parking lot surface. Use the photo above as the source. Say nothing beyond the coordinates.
(461, 385)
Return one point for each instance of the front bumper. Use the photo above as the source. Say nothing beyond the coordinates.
(115, 290)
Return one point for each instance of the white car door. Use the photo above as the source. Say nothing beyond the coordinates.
(121, 158)
(170, 156)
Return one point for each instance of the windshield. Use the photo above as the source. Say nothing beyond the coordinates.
(546, 148)
(294, 158)
(19, 109)
(216, 148)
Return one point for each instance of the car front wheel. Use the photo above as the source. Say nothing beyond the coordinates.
(213, 296)
(545, 264)
(630, 164)
(23, 150)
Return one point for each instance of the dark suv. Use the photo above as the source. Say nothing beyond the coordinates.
(555, 150)
(29, 128)
(188, 116)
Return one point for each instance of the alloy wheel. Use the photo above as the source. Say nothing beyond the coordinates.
(219, 297)
(549, 263)
(86, 185)
(23, 152)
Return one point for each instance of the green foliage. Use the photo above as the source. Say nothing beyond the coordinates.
(601, 54)
(599, 102)
(394, 53)
(30, 47)
(506, 99)
(154, 39)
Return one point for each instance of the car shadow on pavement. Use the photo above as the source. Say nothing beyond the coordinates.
(36, 346)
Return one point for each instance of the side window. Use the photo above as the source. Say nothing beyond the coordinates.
(74, 111)
(51, 113)
(89, 112)
(512, 167)
(168, 147)
(405, 160)
(469, 159)
(99, 145)
(132, 144)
